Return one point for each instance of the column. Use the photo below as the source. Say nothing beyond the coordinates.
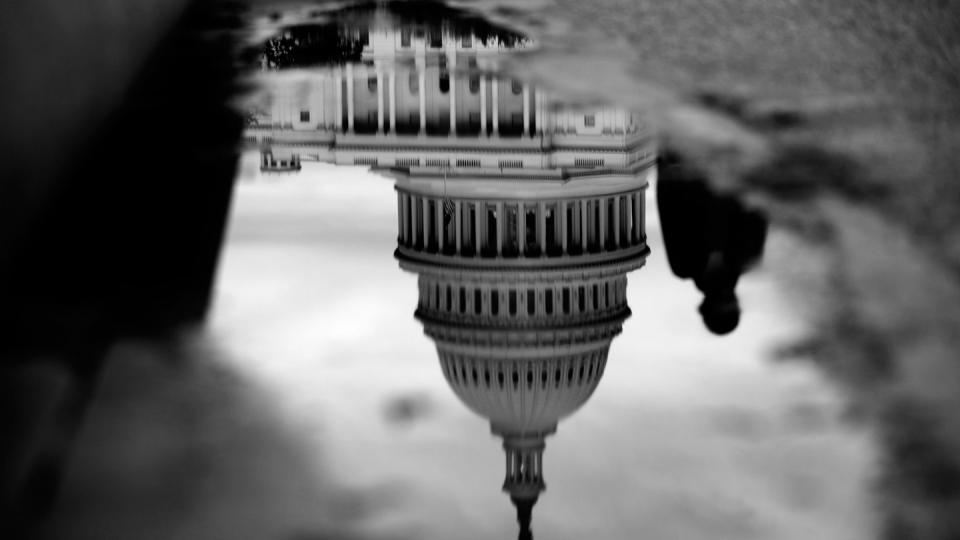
(426, 222)
(542, 228)
(583, 225)
(500, 218)
(495, 106)
(459, 225)
(476, 229)
(628, 218)
(440, 228)
(637, 217)
(453, 104)
(602, 233)
(406, 219)
(399, 218)
(526, 110)
(643, 211)
(483, 105)
(616, 221)
(393, 101)
(521, 230)
(422, 92)
(538, 109)
(379, 102)
(563, 226)
(350, 98)
(338, 83)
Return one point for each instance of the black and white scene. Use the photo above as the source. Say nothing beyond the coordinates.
(480, 269)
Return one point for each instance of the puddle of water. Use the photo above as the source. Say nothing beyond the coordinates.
(467, 325)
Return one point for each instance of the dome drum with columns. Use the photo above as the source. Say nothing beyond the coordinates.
(458, 218)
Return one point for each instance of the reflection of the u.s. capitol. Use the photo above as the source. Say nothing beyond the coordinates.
(520, 216)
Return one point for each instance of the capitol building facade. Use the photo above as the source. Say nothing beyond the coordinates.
(520, 216)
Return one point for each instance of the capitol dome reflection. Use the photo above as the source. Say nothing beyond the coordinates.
(521, 216)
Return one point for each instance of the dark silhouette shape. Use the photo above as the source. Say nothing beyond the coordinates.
(125, 244)
(524, 514)
(709, 238)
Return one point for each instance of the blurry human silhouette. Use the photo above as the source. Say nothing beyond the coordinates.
(709, 238)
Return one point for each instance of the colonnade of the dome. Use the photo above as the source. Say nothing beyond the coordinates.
(520, 228)
(521, 303)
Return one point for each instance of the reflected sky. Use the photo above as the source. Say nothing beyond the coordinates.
(687, 435)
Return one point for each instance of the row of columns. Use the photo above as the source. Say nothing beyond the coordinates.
(391, 76)
(524, 302)
(577, 226)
